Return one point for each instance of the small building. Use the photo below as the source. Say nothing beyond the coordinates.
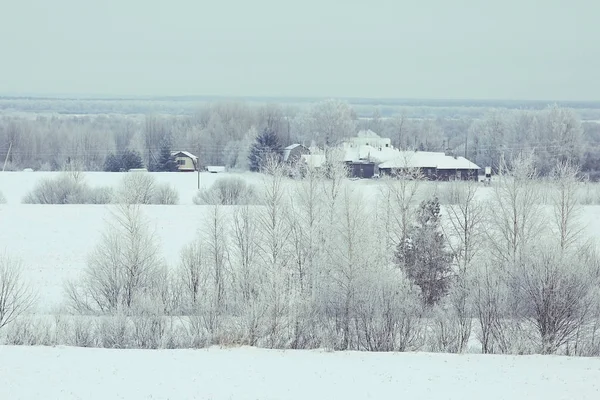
(215, 169)
(433, 165)
(362, 169)
(293, 153)
(186, 161)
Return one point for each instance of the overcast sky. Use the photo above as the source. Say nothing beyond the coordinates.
(476, 49)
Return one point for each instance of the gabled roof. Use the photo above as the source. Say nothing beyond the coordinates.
(292, 146)
(367, 133)
(427, 159)
(185, 153)
(288, 150)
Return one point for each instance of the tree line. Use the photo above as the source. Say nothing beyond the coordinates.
(223, 134)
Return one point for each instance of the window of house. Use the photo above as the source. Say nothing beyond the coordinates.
(180, 162)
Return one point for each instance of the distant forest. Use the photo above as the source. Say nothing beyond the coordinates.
(46, 133)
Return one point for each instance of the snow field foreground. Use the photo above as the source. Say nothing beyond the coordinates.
(248, 373)
(53, 242)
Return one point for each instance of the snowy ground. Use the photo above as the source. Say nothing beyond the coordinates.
(53, 243)
(15, 185)
(248, 373)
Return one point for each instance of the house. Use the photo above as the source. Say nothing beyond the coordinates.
(369, 155)
(293, 153)
(433, 165)
(186, 161)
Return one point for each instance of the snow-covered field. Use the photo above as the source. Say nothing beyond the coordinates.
(248, 373)
(15, 185)
(53, 243)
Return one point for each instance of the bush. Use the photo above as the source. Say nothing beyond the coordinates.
(141, 188)
(165, 194)
(227, 191)
(68, 188)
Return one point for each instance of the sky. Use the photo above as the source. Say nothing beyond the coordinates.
(428, 49)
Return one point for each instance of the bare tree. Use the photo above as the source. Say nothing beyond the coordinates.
(399, 196)
(349, 261)
(465, 224)
(136, 188)
(214, 236)
(515, 211)
(331, 122)
(193, 272)
(16, 296)
(557, 293)
(274, 251)
(567, 210)
(122, 268)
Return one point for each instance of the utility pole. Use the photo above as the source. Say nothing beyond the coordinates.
(466, 141)
(7, 154)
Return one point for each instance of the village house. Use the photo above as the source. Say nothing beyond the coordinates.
(293, 153)
(186, 161)
(369, 155)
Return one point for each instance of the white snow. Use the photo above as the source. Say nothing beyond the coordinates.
(248, 373)
(54, 241)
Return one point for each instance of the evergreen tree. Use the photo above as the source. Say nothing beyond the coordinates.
(267, 144)
(131, 159)
(424, 255)
(166, 161)
(128, 160)
(112, 163)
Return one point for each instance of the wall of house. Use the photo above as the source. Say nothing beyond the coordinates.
(296, 153)
(185, 163)
(363, 170)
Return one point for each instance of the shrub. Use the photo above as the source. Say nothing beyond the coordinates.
(227, 191)
(67, 188)
(141, 188)
(165, 194)
(99, 195)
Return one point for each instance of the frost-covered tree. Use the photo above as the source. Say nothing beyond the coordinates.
(516, 217)
(565, 202)
(166, 161)
(16, 296)
(124, 267)
(266, 146)
(424, 255)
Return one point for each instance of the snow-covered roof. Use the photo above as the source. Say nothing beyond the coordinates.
(288, 150)
(368, 152)
(185, 153)
(427, 159)
(367, 133)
